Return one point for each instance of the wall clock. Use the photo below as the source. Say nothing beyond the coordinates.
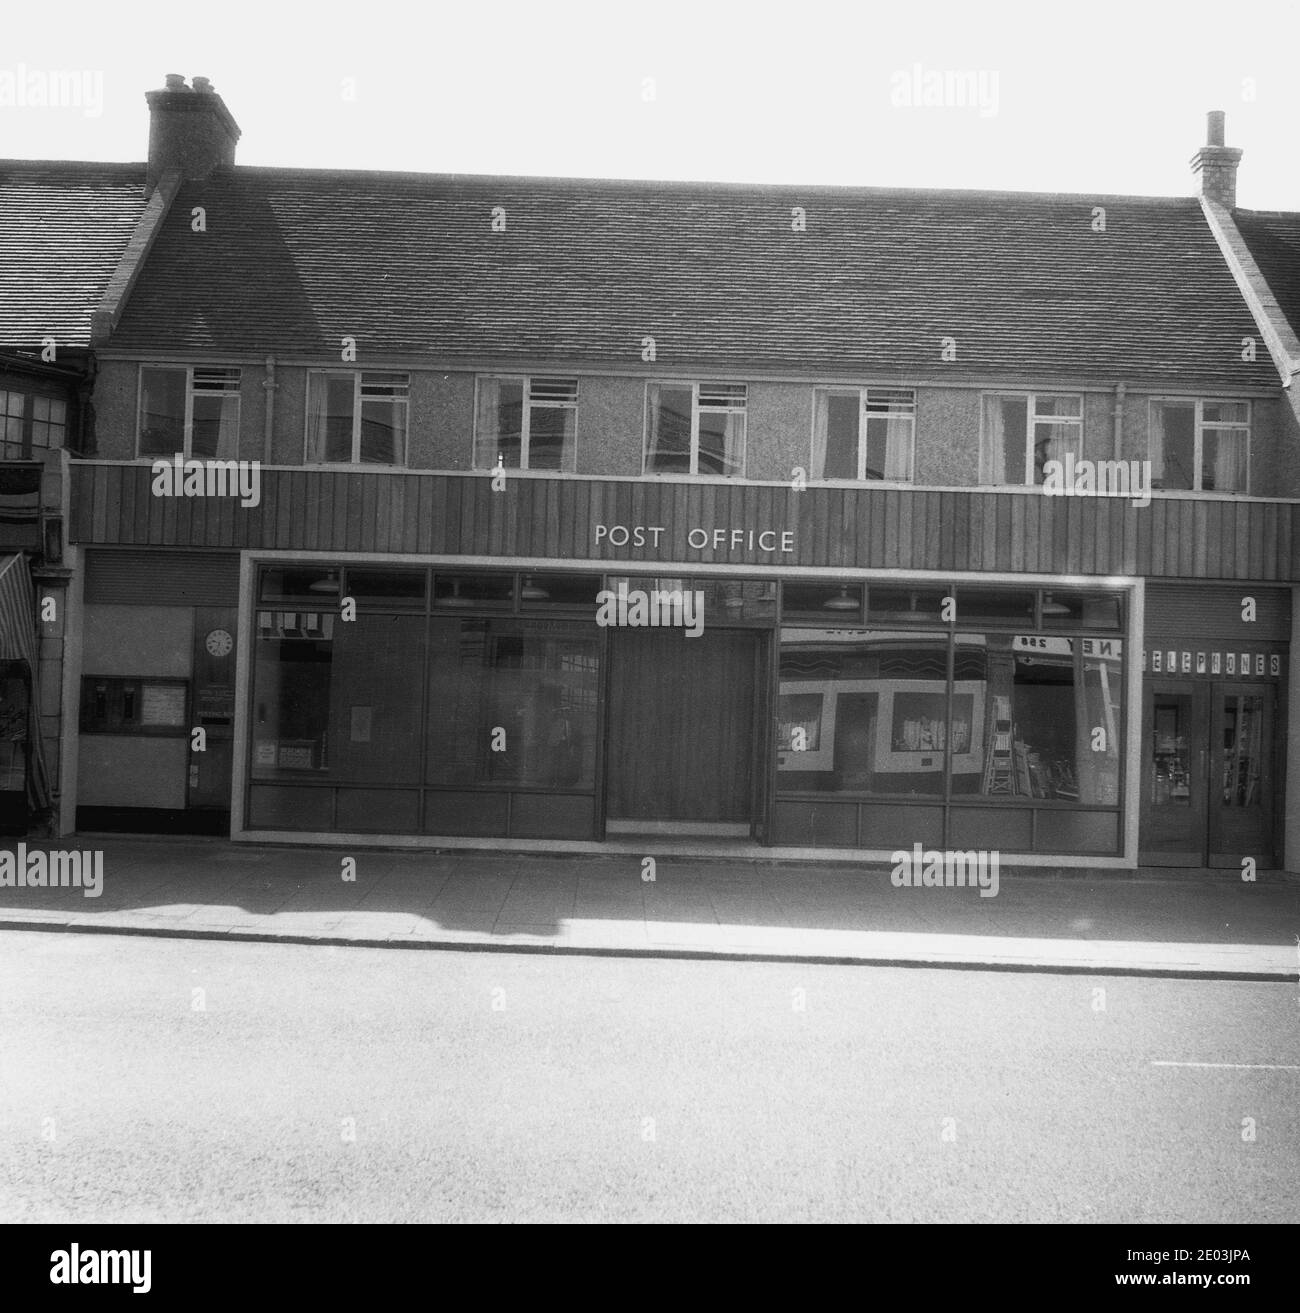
(219, 642)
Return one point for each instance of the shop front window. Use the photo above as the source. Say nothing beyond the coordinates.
(291, 693)
(1011, 720)
(862, 715)
(1051, 718)
(512, 703)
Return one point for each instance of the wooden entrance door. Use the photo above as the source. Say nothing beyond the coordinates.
(681, 725)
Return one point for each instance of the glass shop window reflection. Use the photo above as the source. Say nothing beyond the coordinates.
(512, 703)
(862, 717)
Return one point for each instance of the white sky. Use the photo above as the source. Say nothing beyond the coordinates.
(1095, 96)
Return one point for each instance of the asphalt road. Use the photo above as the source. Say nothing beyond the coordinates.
(336, 1084)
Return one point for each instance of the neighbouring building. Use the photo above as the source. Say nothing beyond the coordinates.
(64, 233)
(757, 519)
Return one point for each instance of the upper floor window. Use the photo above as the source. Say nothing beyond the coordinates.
(1024, 430)
(696, 428)
(29, 422)
(864, 433)
(1200, 446)
(527, 423)
(188, 409)
(356, 417)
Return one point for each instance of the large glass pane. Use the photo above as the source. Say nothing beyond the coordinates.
(466, 590)
(694, 601)
(12, 408)
(49, 420)
(1006, 430)
(387, 589)
(906, 604)
(1173, 445)
(861, 715)
(821, 603)
(383, 430)
(330, 400)
(996, 606)
(1170, 776)
(835, 445)
(162, 411)
(1047, 717)
(548, 592)
(889, 434)
(291, 693)
(1099, 700)
(304, 584)
(1243, 737)
(551, 431)
(1053, 442)
(1066, 608)
(513, 703)
(374, 727)
(668, 443)
(722, 443)
(1224, 454)
(216, 424)
(499, 425)
(969, 723)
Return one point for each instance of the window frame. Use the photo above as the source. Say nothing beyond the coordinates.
(188, 426)
(1032, 419)
(695, 386)
(1199, 426)
(525, 418)
(863, 392)
(28, 448)
(358, 376)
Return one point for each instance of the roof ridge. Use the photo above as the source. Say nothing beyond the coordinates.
(293, 174)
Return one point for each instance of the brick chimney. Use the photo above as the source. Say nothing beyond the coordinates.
(1217, 163)
(190, 130)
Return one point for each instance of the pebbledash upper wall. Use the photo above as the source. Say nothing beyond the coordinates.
(611, 421)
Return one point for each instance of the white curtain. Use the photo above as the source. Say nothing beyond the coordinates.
(1230, 460)
(1053, 441)
(993, 450)
(898, 449)
(498, 428)
(228, 429)
(821, 417)
(317, 414)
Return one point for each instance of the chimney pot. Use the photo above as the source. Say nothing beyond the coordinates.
(1217, 163)
(190, 134)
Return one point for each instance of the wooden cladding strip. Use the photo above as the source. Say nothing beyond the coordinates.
(869, 528)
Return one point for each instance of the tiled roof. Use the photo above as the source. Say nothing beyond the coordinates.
(295, 260)
(1274, 241)
(63, 229)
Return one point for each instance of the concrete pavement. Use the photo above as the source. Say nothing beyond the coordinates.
(1148, 922)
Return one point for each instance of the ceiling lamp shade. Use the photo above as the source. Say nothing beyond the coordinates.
(841, 601)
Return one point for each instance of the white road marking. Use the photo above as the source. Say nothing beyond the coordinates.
(1232, 1066)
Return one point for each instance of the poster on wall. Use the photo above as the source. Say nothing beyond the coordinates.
(162, 704)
